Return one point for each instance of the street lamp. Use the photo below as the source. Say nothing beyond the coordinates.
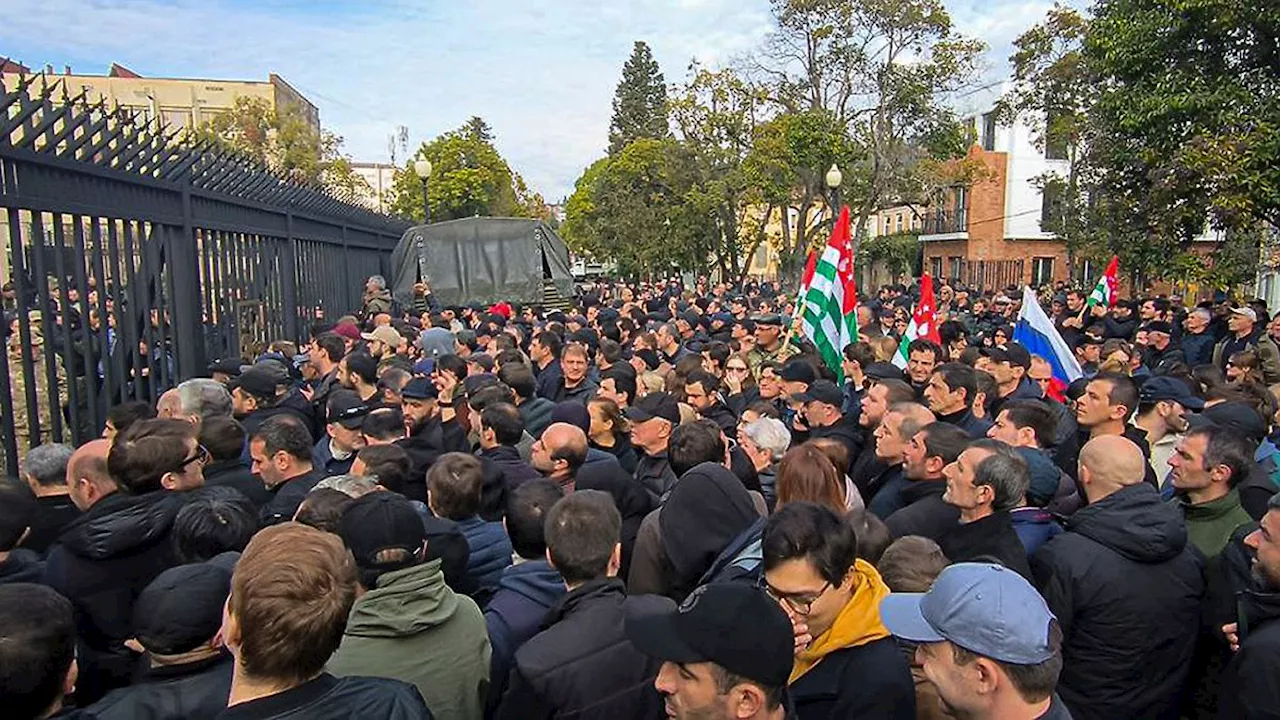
(834, 178)
(422, 168)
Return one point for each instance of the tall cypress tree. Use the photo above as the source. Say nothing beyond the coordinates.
(640, 102)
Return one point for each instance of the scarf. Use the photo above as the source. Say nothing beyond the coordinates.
(857, 624)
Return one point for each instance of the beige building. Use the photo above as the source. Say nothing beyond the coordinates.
(381, 177)
(178, 102)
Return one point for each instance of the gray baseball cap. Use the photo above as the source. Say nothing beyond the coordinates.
(984, 608)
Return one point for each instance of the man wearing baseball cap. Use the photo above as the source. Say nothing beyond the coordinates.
(1009, 366)
(986, 640)
(1163, 403)
(726, 652)
(344, 413)
(820, 411)
(1245, 334)
(653, 418)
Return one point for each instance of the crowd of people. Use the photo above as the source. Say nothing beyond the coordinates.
(661, 502)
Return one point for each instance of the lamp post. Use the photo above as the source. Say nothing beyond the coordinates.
(834, 178)
(422, 168)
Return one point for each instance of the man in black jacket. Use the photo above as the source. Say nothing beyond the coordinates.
(1109, 400)
(702, 391)
(280, 652)
(281, 453)
(949, 394)
(500, 429)
(985, 482)
(224, 437)
(933, 448)
(1125, 584)
(105, 558)
(45, 470)
(176, 621)
(1249, 688)
(582, 664)
(821, 415)
(653, 418)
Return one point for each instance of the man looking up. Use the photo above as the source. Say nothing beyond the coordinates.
(280, 652)
(985, 482)
(899, 425)
(1125, 584)
(1205, 469)
(949, 394)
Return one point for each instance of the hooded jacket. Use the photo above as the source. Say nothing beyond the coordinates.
(854, 669)
(490, 552)
(412, 627)
(1125, 586)
(1034, 526)
(22, 566)
(582, 665)
(191, 691)
(101, 564)
(1249, 687)
(536, 414)
(503, 471)
(525, 593)
(846, 431)
(706, 510)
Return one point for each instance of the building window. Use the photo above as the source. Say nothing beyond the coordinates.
(1086, 269)
(957, 267)
(935, 266)
(176, 118)
(1051, 208)
(1041, 271)
(989, 131)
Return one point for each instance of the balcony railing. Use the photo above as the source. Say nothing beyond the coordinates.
(939, 222)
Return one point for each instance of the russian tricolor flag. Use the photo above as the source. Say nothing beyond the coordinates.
(1035, 332)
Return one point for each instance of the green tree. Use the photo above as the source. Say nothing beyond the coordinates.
(468, 178)
(283, 141)
(639, 102)
(880, 71)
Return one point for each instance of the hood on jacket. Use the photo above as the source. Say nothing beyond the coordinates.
(1134, 522)
(707, 509)
(120, 523)
(1045, 476)
(535, 580)
(405, 602)
(22, 565)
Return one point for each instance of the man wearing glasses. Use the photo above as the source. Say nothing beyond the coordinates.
(846, 663)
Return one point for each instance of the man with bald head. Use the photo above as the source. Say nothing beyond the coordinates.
(559, 453)
(1126, 585)
(104, 559)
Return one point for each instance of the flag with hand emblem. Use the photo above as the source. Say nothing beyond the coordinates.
(831, 298)
(924, 322)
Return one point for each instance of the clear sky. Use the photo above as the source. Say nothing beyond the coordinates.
(541, 72)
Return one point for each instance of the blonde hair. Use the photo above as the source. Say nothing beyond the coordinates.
(884, 348)
(650, 382)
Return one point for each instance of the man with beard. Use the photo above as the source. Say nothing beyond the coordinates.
(1009, 366)
(359, 371)
(770, 344)
(702, 391)
(927, 454)
(1163, 403)
(326, 352)
(1249, 687)
(429, 436)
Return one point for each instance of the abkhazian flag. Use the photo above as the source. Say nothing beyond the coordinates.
(1104, 293)
(829, 319)
(924, 322)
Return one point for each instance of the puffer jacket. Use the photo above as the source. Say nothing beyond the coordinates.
(101, 564)
(412, 627)
(490, 553)
(582, 665)
(1126, 587)
(191, 691)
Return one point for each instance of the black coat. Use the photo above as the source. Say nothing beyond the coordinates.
(976, 427)
(1249, 687)
(847, 432)
(925, 513)
(286, 497)
(990, 539)
(194, 691)
(503, 470)
(871, 682)
(22, 566)
(330, 698)
(54, 514)
(235, 474)
(101, 564)
(582, 665)
(654, 474)
(535, 413)
(1126, 588)
(721, 415)
(624, 452)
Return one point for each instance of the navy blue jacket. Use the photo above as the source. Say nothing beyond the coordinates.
(1034, 526)
(1198, 349)
(869, 682)
(322, 459)
(490, 554)
(525, 593)
(22, 566)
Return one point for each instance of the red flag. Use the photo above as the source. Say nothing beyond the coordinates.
(925, 316)
(808, 272)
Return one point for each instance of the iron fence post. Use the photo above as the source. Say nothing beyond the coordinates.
(184, 269)
(291, 309)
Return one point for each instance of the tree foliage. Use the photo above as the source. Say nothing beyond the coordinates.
(282, 140)
(640, 101)
(468, 178)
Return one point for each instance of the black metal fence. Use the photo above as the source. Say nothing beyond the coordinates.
(135, 255)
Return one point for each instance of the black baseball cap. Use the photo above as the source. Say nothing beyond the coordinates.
(798, 370)
(226, 366)
(655, 405)
(345, 408)
(259, 381)
(823, 391)
(733, 625)
(883, 371)
(379, 522)
(419, 388)
(1013, 353)
(1235, 416)
(1159, 327)
(181, 609)
(1166, 388)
